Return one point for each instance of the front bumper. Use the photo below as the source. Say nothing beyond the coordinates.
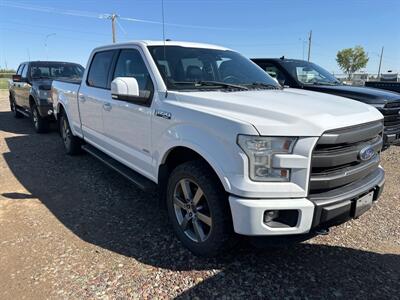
(313, 213)
(45, 110)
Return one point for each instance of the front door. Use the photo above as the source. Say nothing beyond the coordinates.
(25, 88)
(127, 124)
(17, 86)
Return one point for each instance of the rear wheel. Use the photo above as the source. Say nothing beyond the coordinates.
(198, 209)
(72, 144)
(40, 124)
(13, 107)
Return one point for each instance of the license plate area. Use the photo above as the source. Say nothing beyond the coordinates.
(363, 204)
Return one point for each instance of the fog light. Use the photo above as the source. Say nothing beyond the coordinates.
(270, 215)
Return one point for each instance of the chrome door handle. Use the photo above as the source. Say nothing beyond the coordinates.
(81, 98)
(107, 106)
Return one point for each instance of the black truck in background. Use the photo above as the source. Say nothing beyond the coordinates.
(30, 89)
(306, 75)
(393, 86)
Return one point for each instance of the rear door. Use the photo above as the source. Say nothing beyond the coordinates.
(94, 92)
(127, 123)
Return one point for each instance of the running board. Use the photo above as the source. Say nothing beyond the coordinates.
(139, 180)
(24, 112)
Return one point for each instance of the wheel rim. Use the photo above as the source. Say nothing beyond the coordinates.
(192, 210)
(65, 132)
(35, 118)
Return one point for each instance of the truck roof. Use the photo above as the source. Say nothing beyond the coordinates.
(48, 62)
(161, 43)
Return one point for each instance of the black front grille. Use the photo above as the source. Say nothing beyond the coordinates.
(336, 158)
(391, 113)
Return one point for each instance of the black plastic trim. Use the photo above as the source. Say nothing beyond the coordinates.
(337, 206)
(352, 134)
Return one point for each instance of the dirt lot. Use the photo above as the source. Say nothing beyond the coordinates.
(70, 228)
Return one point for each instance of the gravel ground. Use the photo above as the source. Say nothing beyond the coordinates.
(70, 228)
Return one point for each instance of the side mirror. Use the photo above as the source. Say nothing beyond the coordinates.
(127, 89)
(281, 81)
(124, 88)
(17, 78)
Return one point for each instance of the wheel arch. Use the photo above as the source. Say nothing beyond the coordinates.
(180, 154)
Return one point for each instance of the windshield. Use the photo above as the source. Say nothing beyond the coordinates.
(309, 73)
(184, 68)
(56, 70)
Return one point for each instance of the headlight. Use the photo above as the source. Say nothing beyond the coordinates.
(260, 151)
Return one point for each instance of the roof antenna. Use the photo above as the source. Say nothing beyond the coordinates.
(163, 36)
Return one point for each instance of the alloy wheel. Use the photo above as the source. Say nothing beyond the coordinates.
(35, 118)
(192, 210)
(65, 132)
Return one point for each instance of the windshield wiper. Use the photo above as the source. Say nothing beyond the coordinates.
(325, 83)
(212, 83)
(266, 85)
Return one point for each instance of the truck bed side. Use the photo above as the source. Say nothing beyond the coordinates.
(65, 97)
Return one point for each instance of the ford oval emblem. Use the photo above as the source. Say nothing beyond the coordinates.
(366, 153)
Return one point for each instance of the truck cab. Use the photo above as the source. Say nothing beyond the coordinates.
(231, 152)
(301, 74)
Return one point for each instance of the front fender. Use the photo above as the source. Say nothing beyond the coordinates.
(217, 147)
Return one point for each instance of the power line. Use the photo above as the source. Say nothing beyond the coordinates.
(76, 13)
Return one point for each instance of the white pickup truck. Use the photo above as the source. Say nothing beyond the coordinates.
(231, 151)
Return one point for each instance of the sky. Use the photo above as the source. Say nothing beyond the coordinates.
(68, 30)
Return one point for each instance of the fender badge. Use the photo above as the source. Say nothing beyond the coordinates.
(163, 114)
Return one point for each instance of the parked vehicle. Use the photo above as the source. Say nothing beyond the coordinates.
(29, 89)
(230, 150)
(309, 76)
(393, 86)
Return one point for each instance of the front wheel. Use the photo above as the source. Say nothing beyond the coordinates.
(198, 209)
(72, 144)
(40, 124)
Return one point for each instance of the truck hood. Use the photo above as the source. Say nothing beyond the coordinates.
(288, 112)
(363, 94)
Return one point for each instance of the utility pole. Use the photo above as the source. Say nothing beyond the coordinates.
(309, 45)
(113, 17)
(380, 64)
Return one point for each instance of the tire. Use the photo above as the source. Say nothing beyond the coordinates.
(204, 226)
(40, 124)
(72, 144)
(13, 107)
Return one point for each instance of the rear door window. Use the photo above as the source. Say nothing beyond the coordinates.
(100, 69)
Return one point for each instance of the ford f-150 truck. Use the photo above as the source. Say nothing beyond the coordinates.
(29, 89)
(231, 151)
(302, 74)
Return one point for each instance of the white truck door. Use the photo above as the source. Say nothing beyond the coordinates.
(127, 122)
(93, 94)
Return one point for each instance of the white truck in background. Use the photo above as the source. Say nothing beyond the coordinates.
(231, 151)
